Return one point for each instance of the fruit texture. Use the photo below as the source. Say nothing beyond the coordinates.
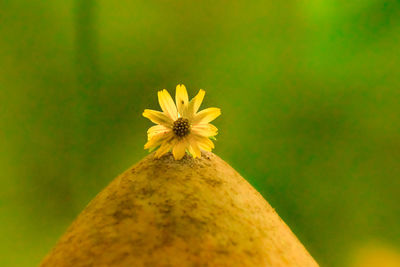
(191, 212)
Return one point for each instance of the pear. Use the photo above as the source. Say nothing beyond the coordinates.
(191, 212)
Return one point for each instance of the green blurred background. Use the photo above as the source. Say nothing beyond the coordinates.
(309, 90)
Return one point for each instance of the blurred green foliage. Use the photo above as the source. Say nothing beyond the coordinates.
(309, 90)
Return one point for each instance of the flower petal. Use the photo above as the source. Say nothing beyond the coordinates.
(164, 148)
(204, 130)
(179, 149)
(195, 103)
(194, 148)
(191, 151)
(206, 115)
(158, 139)
(204, 143)
(158, 117)
(155, 130)
(181, 99)
(167, 104)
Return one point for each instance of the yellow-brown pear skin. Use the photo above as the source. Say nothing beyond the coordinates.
(190, 212)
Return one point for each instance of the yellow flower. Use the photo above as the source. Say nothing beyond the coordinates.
(180, 127)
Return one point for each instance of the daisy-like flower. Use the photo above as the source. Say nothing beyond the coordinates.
(180, 127)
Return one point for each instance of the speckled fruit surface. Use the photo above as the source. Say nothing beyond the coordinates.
(192, 212)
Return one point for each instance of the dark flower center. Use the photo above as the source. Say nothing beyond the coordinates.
(181, 127)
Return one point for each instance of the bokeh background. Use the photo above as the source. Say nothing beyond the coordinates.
(309, 90)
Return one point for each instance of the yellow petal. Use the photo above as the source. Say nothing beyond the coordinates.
(204, 143)
(195, 103)
(158, 117)
(167, 104)
(157, 129)
(181, 98)
(204, 130)
(191, 151)
(194, 148)
(206, 115)
(164, 148)
(179, 149)
(158, 139)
